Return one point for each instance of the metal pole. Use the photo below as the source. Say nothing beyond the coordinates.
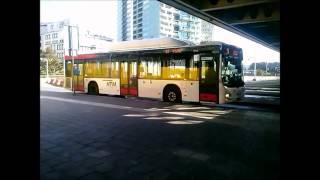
(74, 89)
(71, 48)
(47, 68)
(255, 70)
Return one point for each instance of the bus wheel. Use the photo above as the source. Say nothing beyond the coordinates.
(93, 88)
(172, 94)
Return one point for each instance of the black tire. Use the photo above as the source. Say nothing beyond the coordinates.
(93, 88)
(172, 94)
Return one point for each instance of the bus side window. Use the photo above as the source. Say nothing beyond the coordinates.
(193, 68)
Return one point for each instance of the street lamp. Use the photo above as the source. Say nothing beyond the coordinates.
(266, 68)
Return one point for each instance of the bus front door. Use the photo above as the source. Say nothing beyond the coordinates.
(78, 79)
(208, 80)
(128, 78)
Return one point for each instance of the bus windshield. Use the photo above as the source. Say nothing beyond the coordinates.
(231, 72)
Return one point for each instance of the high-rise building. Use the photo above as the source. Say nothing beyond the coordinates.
(62, 37)
(143, 19)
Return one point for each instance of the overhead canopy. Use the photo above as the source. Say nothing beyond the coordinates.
(257, 20)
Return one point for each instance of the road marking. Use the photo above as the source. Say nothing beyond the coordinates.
(94, 104)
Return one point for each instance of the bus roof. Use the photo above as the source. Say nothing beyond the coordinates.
(148, 44)
(155, 43)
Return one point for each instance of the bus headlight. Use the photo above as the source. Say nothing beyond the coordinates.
(227, 95)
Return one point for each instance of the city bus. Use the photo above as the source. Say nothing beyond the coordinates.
(164, 68)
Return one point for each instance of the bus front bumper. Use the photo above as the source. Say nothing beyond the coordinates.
(234, 94)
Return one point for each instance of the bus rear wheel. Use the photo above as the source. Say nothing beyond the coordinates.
(93, 88)
(172, 94)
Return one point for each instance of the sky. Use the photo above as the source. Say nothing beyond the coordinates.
(100, 16)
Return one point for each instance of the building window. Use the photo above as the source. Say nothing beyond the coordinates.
(176, 28)
(164, 23)
(163, 17)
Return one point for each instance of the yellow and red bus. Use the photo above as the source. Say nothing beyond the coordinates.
(164, 68)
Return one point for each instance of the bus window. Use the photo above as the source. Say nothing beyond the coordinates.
(175, 67)
(68, 68)
(106, 69)
(150, 67)
(115, 69)
(193, 68)
(88, 70)
(143, 69)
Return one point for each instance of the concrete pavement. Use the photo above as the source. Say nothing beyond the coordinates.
(104, 137)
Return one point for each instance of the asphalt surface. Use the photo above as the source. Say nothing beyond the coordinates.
(262, 94)
(106, 137)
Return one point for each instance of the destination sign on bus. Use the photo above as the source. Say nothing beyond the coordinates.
(206, 58)
(175, 50)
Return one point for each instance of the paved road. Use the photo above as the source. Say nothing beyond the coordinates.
(104, 137)
(262, 92)
(266, 88)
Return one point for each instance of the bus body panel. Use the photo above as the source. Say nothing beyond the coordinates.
(152, 88)
(164, 56)
(106, 85)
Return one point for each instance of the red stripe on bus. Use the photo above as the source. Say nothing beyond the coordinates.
(208, 97)
(81, 56)
(131, 91)
(79, 88)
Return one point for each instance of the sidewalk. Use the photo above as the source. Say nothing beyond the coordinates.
(44, 86)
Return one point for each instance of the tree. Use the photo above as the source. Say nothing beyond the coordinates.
(55, 65)
(272, 68)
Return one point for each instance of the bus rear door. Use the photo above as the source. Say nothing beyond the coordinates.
(128, 78)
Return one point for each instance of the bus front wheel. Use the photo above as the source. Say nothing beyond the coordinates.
(172, 94)
(93, 88)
